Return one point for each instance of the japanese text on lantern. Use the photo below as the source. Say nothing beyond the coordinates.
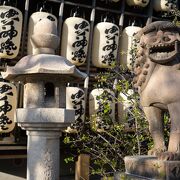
(111, 45)
(5, 106)
(10, 31)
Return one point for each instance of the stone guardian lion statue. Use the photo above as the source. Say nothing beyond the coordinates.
(157, 76)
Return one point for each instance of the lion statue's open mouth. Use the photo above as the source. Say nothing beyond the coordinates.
(163, 52)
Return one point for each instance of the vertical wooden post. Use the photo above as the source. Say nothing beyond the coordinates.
(82, 167)
(25, 24)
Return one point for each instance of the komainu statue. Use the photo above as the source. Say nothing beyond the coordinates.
(157, 70)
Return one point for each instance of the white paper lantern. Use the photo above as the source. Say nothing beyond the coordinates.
(8, 100)
(96, 106)
(164, 5)
(141, 3)
(124, 105)
(10, 31)
(105, 44)
(126, 45)
(75, 100)
(33, 20)
(75, 39)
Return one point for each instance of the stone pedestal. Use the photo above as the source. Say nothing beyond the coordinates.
(44, 126)
(149, 167)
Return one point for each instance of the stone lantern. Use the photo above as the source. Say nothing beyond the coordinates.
(44, 115)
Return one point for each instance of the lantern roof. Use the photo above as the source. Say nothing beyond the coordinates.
(43, 65)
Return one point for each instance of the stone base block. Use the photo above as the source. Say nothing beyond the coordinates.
(149, 167)
(45, 118)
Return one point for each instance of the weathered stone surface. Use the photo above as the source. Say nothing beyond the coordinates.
(41, 64)
(159, 82)
(45, 117)
(42, 35)
(44, 127)
(34, 95)
(44, 38)
(151, 167)
(43, 153)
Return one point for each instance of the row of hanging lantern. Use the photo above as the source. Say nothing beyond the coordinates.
(158, 5)
(10, 35)
(75, 34)
(75, 38)
(75, 100)
(101, 108)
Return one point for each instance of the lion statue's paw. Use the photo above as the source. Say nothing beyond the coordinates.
(156, 151)
(168, 156)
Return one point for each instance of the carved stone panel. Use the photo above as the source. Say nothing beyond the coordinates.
(173, 170)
